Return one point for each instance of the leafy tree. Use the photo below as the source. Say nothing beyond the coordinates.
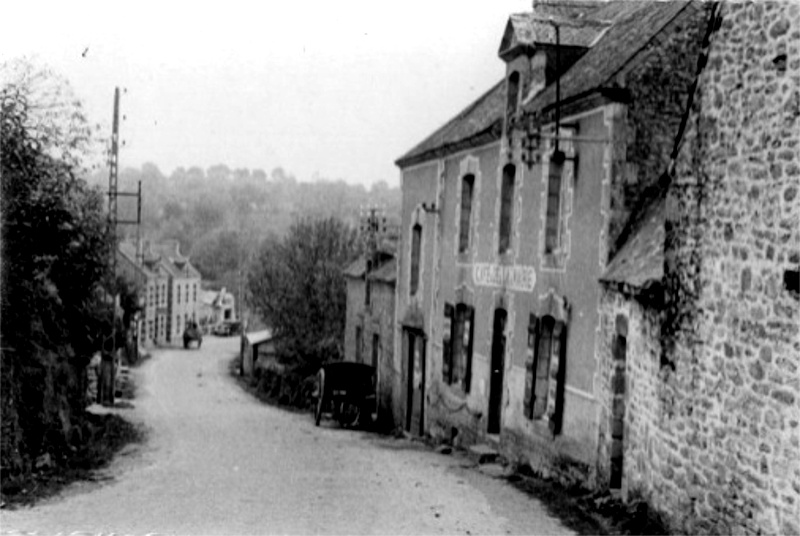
(55, 252)
(297, 287)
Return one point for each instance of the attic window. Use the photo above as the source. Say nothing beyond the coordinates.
(513, 94)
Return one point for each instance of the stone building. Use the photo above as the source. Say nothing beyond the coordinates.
(701, 310)
(170, 287)
(508, 227)
(152, 281)
(369, 325)
(183, 287)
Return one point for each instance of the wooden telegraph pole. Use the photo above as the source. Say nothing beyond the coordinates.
(107, 376)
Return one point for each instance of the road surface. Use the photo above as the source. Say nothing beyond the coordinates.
(218, 461)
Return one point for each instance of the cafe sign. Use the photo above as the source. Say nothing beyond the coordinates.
(521, 278)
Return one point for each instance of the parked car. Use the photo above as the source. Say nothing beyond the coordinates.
(192, 333)
(227, 328)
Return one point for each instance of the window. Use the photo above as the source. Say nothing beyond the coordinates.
(416, 246)
(359, 343)
(553, 215)
(367, 285)
(376, 349)
(163, 294)
(546, 345)
(178, 324)
(506, 207)
(178, 292)
(513, 94)
(194, 292)
(467, 184)
(457, 358)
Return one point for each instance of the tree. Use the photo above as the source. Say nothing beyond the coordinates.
(297, 287)
(55, 275)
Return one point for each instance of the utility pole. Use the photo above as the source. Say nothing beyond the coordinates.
(106, 380)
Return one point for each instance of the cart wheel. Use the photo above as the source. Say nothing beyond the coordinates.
(349, 414)
(320, 396)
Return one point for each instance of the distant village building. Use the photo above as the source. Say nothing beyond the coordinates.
(170, 286)
(587, 294)
(369, 325)
(216, 307)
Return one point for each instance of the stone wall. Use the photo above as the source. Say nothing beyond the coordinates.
(642, 389)
(732, 347)
(658, 83)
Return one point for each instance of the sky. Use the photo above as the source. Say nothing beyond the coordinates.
(334, 90)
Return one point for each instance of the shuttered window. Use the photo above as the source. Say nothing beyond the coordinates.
(457, 348)
(546, 343)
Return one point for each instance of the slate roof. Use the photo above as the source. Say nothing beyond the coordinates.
(480, 122)
(168, 252)
(257, 337)
(529, 29)
(128, 250)
(356, 268)
(386, 273)
(640, 261)
(635, 23)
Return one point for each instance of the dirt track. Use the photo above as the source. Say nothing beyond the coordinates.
(217, 461)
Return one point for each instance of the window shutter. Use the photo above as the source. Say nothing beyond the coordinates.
(469, 330)
(530, 360)
(447, 343)
(558, 417)
(544, 352)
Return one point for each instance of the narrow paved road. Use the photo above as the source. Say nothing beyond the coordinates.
(217, 461)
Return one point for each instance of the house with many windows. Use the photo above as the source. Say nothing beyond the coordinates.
(183, 289)
(598, 274)
(152, 281)
(170, 287)
(511, 213)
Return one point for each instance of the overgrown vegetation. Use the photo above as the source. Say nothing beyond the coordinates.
(589, 512)
(56, 280)
(297, 287)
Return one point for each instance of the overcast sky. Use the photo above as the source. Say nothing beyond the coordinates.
(328, 89)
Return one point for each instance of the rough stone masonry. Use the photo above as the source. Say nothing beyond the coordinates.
(731, 433)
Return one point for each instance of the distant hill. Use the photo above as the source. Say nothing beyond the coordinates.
(221, 215)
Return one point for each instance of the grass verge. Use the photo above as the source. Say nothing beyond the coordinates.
(107, 435)
(588, 512)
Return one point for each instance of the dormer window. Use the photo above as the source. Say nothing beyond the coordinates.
(513, 95)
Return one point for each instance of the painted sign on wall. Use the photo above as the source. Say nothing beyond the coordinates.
(521, 278)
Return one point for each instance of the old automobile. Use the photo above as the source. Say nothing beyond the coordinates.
(346, 390)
